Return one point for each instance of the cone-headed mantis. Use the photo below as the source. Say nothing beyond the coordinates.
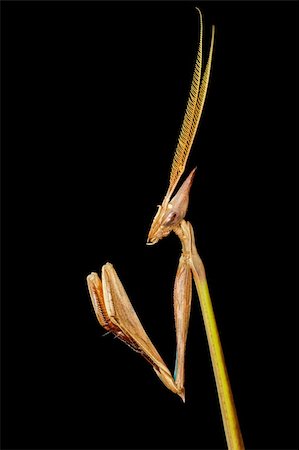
(111, 303)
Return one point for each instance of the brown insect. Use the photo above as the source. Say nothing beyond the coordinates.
(111, 303)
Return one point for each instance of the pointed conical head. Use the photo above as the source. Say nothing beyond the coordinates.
(171, 212)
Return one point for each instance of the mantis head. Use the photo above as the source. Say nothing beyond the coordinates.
(173, 209)
(171, 212)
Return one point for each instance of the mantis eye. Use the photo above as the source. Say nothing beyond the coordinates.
(171, 218)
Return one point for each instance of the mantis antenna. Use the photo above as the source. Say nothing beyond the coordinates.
(196, 100)
(109, 298)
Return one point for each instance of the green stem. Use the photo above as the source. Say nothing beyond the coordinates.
(228, 410)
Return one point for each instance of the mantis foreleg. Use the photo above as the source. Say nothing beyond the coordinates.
(116, 314)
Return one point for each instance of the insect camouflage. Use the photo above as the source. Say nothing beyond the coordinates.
(109, 298)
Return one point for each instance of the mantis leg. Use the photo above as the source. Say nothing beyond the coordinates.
(182, 304)
(116, 314)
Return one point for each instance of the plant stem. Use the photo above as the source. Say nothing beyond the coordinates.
(228, 410)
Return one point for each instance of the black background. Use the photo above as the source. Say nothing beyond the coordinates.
(93, 98)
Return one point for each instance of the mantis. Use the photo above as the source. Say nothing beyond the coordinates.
(109, 298)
